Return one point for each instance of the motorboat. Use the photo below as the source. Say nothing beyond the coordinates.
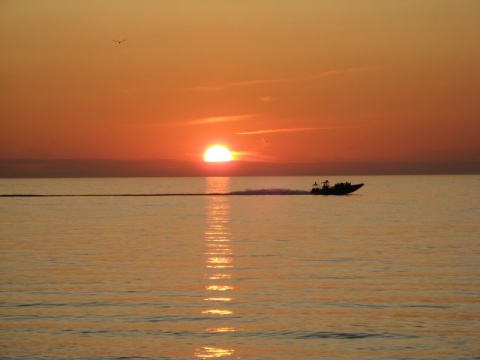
(337, 189)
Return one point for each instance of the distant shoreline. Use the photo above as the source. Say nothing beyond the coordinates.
(100, 168)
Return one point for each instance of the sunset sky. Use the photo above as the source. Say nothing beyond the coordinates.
(277, 81)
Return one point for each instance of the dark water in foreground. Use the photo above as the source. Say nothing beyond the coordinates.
(389, 272)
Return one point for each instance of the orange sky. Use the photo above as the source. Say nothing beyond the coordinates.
(276, 81)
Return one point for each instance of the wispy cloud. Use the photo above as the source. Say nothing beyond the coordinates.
(353, 70)
(320, 75)
(214, 119)
(129, 91)
(266, 99)
(290, 130)
(253, 156)
(235, 84)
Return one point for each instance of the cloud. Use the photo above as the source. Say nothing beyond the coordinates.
(215, 119)
(320, 75)
(253, 156)
(236, 84)
(129, 91)
(289, 130)
(353, 70)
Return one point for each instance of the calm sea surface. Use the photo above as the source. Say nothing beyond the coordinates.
(389, 272)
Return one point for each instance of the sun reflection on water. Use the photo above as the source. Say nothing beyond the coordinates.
(219, 287)
(219, 276)
(207, 352)
(217, 312)
(224, 299)
(220, 330)
(219, 261)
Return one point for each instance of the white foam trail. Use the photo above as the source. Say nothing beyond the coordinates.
(242, 192)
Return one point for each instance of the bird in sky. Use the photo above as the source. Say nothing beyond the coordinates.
(119, 41)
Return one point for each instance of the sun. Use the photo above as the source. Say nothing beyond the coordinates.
(217, 153)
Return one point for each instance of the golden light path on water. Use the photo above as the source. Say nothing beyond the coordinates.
(208, 352)
(218, 261)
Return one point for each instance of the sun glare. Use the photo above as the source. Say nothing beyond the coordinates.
(217, 153)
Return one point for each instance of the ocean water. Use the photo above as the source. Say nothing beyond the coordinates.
(389, 272)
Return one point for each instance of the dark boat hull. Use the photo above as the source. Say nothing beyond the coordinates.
(341, 190)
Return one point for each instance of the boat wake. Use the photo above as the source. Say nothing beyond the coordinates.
(270, 192)
(232, 193)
